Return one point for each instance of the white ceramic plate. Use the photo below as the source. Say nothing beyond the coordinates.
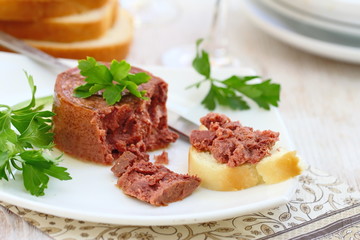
(92, 195)
(345, 11)
(282, 7)
(313, 40)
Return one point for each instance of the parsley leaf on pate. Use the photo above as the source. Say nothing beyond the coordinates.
(112, 81)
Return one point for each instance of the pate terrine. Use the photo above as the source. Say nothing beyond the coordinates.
(91, 130)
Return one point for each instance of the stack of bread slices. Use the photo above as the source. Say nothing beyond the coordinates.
(70, 28)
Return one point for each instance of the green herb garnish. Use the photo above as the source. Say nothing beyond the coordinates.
(230, 92)
(25, 139)
(113, 81)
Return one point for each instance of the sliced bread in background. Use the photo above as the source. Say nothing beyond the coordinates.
(77, 27)
(32, 10)
(114, 44)
(104, 32)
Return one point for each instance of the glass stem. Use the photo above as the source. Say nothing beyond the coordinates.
(217, 41)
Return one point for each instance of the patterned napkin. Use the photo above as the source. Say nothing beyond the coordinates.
(322, 208)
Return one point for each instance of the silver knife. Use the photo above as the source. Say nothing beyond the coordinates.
(177, 123)
(20, 46)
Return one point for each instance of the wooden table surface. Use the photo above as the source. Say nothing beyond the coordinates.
(320, 98)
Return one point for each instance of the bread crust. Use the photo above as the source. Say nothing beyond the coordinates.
(107, 53)
(279, 166)
(79, 27)
(220, 177)
(115, 44)
(32, 10)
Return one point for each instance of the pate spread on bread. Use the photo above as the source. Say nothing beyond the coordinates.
(228, 156)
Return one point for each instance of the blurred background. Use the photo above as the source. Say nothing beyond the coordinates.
(163, 32)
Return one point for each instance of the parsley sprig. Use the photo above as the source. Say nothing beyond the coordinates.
(25, 140)
(112, 81)
(231, 91)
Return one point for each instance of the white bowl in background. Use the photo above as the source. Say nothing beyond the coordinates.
(305, 17)
(345, 11)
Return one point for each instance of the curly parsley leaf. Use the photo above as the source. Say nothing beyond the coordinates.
(231, 91)
(112, 81)
(25, 138)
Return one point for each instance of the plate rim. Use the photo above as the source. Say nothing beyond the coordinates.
(309, 19)
(321, 7)
(178, 219)
(293, 38)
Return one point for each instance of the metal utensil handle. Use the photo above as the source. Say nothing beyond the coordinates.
(20, 46)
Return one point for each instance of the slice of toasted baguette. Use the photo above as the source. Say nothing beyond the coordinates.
(114, 44)
(31, 10)
(279, 166)
(77, 27)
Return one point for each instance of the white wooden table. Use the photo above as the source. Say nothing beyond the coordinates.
(320, 98)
